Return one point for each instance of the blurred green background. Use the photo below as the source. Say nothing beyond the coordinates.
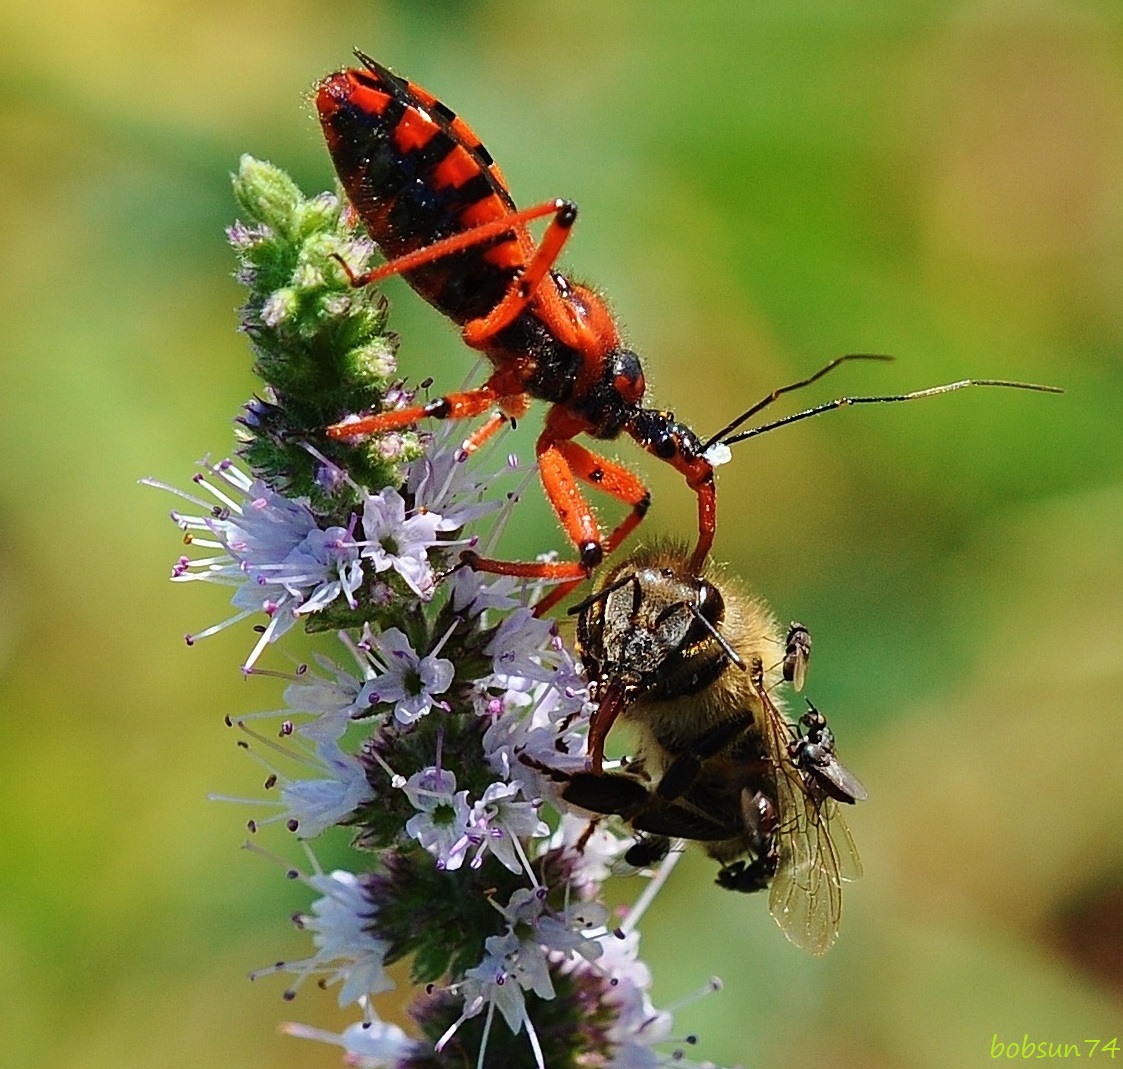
(763, 185)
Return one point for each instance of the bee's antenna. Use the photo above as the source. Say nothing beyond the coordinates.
(722, 641)
(602, 594)
(843, 402)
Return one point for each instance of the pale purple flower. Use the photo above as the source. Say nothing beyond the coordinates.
(499, 820)
(271, 550)
(489, 986)
(637, 1027)
(316, 804)
(520, 644)
(574, 930)
(472, 593)
(600, 851)
(346, 952)
(408, 681)
(332, 696)
(444, 817)
(533, 725)
(524, 960)
(369, 1044)
(337, 788)
(542, 932)
(515, 962)
(443, 482)
(396, 541)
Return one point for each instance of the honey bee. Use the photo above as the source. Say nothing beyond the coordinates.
(692, 663)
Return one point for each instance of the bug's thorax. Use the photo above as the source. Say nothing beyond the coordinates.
(565, 348)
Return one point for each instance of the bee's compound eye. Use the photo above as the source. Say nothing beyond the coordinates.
(708, 609)
(711, 604)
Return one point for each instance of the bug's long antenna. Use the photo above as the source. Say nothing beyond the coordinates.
(775, 394)
(843, 402)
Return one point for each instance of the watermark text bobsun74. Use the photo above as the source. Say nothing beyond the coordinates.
(1028, 1048)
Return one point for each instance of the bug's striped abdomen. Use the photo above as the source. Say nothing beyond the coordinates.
(415, 174)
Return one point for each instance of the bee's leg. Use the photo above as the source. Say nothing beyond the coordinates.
(621, 795)
(759, 814)
(683, 770)
(748, 878)
(647, 850)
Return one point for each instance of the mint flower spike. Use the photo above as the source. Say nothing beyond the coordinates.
(320, 345)
(436, 736)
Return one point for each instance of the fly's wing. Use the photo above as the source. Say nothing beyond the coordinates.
(806, 896)
(797, 654)
(849, 863)
(816, 851)
(839, 782)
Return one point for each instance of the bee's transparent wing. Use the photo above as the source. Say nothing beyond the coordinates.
(816, 850)
(849, 863)
(806, 896)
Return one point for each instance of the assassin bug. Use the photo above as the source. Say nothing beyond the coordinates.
(438, 207)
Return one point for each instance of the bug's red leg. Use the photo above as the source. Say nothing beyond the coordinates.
(707, 522)
(504, 388)
(561, 464)
(675, 444)
(699, 475)
(536, 569)
(478, 332)
(545, 603)
(484, 432)
(573, 511)
(613, 479)
(514, 408)
(458, 242)
(452, 406)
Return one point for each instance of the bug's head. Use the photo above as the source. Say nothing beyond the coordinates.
(657, 431)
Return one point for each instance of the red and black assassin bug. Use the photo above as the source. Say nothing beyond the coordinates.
(438, 207)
